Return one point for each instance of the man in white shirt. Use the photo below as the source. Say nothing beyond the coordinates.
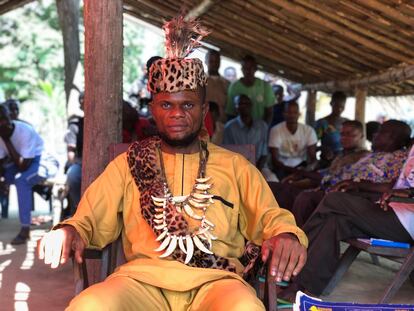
(292, 144)
(20, 152)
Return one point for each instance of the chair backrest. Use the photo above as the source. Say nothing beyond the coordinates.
(247, 150)
(116, 149)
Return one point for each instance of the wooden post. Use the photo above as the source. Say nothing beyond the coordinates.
(311, 107)
(103, 84)
(360, 96)
(68, 11)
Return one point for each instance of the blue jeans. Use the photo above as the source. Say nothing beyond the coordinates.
(24, 181)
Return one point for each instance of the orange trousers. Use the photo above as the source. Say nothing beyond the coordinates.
(125, 293)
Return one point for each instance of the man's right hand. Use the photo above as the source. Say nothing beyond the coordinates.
(56, 246)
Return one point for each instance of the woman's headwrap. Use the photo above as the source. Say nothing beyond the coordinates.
(175, 72)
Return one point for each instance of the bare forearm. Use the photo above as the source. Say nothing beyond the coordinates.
(21, 163)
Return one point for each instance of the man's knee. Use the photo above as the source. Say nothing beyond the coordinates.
(91, 300)
(103, 296)
(227, 295)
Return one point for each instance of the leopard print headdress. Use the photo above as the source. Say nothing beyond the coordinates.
(175, 72)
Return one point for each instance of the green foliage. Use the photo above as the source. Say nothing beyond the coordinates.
(32, 50)
(133, 46)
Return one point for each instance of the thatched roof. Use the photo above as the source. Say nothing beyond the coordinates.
(306, 41)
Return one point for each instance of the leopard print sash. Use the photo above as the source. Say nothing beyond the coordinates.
(145, 168)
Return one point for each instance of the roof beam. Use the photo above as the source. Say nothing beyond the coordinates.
(6, 6)
(344, 31)
(393, 75)
(388, 11)
(200, 9)
(353, 24)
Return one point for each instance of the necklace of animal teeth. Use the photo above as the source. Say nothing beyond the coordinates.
(200, 199)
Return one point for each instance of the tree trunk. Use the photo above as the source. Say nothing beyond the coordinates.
(103, 84)
(68, 11)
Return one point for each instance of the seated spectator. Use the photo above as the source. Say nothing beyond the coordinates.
(352, 139)
(14, 108)
(218, 126)
(278, 107)
(20, 156)
(381, 166)
(245, 130)
(349, 215)
(13, 105)
(73, 168)
(134, 127)
(328, 129)
(259, 91)
(292, 144)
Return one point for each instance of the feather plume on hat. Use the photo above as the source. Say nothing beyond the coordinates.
(175, 72)
(182, 36)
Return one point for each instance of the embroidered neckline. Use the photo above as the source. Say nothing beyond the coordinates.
(145, 168)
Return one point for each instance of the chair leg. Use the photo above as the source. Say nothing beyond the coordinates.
(344, 263)
(270, 293)
(402, 274)
(81, 276)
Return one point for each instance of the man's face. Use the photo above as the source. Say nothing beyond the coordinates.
(350, 137)
(249, 68)
(213, 62)
(244, 106)
(178, 116)
(14, 111)
(291, 114)
(5, 121)
(384, 139)
(338, 108)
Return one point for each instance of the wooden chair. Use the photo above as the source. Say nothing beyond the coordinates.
(113, 255)
(404, 256)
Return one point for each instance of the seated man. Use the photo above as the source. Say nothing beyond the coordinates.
(381, 166)
(352, 215)
(184, 207)
(245, 130)
(292, 144)
(352, 139)
(20, 152)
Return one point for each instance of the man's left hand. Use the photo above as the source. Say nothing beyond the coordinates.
(288, 256)
(345, 186)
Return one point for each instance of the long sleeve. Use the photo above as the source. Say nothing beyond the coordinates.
(97, 218)
(260, 216)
